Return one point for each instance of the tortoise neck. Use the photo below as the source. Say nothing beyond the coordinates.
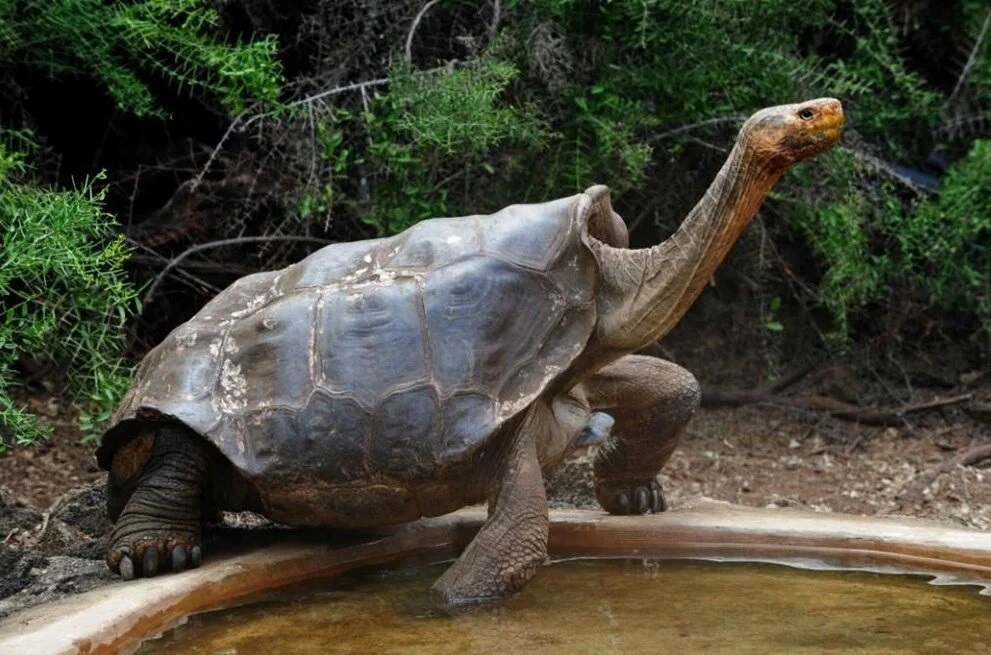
(649, 290)
(690, 256)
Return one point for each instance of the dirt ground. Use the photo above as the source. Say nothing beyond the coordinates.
(38, 475)
(760, 455)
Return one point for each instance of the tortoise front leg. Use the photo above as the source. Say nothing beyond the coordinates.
(512, 543)
(652, 401)
(159, 527)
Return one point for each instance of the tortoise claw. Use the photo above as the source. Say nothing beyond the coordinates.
(625, 497)
(622, 504)
(640, 505)
(657, 503)
(147, 556)
(179, 558)
(126, 568)
(149, 564)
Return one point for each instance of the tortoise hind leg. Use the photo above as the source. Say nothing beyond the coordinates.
(652, 401)
(512, 543)
(159, 526)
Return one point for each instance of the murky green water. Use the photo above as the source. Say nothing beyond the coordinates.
(607, 606)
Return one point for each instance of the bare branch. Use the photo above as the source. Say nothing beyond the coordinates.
(496, 16)
(416, 24)
(340, 89)
(150, 293)
(970, 61)
(731, 118)
(716, 397)
(216, 151)
(188, 278)
(967, 458)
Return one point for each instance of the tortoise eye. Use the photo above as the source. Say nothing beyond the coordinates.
(806, 114)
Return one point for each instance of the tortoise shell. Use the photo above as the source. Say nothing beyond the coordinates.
(397, 356)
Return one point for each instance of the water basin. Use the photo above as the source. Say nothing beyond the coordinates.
(602, 606)
(118, 618)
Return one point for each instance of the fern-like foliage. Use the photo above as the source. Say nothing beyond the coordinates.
(946, 240)
(125, 44)
(461, 112)
(63, 293)
(440, 125)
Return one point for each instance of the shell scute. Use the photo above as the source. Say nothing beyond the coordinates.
(435, 241)
(371, 341)
(240, 299)
(274, 351)
(468, 419)
(274, 455)
(478, 321)
(404, 433)
(334, 433)
(349, 261)
(537, 244)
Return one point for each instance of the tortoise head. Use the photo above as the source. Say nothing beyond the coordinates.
(785, 135)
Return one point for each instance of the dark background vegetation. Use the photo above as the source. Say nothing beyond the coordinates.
(152, 151)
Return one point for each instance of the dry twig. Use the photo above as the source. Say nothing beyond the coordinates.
(719, 120)
(867, 415)
(150, 293)
(965, 73)
(718, 397)
(412, 29)
(969, 457)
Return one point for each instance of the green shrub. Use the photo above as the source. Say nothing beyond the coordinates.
(945, 240)
(125, 45)
(841, 232)
(933, 251)
(443, 126)
(63, 292)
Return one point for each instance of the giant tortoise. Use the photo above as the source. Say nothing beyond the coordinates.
(381, 381)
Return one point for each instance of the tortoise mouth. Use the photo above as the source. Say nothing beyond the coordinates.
(832, 128)
(829, 137)
(817, 140)
(831, 122)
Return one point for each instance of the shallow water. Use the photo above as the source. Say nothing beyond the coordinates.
(606, 606)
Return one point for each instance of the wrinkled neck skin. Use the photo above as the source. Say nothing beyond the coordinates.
(645, 292)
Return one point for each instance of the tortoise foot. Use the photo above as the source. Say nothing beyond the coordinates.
(630, 497)
(146, 556)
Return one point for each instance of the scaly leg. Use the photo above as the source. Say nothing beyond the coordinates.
(512, 544)
(652, 401)
(159, 527)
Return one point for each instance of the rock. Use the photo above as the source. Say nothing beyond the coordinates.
(16, 519)
(57, 553)
(76, 524)
(15, 568)
(51, 579)
(571, 484)
(245, 521)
